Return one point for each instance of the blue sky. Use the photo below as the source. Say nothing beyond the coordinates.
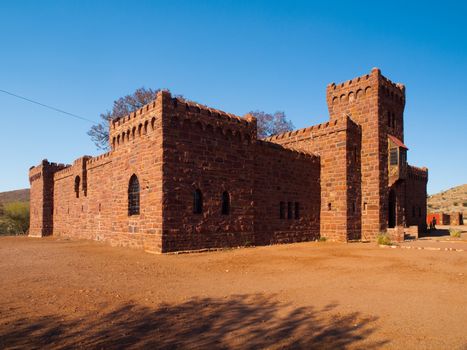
(233, 55)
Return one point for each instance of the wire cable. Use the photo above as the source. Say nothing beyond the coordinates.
(47, 106)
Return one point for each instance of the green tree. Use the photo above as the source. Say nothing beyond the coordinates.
(272, 124)
(15, 219)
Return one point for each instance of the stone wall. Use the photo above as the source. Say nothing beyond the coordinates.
(287, 181)
(329, 180)
(209, 151)
(457, 219)
(91, 196)
(415, 208)
(214, 152)
(337, 143)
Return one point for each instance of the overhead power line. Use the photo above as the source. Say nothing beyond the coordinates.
(49, 107)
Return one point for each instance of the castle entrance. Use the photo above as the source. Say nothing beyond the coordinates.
(392, 209)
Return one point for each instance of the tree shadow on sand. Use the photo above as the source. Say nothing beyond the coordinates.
(237, 322)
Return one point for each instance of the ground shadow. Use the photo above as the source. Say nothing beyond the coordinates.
(245, 322)
(435, 233)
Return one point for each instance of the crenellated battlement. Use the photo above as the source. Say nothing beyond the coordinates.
(206, 118)
(65, 172)
(46, 167)
(182, 105)
(291, 150)
(417, 173)
(310, 132)
(78, 164)
(81, 160)
(143, 121)
(99, 160)
(351, 91)
(151, 106)
(136, 124)
(35, 173)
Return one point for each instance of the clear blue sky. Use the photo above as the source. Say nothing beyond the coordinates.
(233, 55)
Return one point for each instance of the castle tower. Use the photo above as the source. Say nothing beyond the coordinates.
(377, 105)
(41, 179)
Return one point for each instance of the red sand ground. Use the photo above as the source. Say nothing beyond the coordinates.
(60, 294)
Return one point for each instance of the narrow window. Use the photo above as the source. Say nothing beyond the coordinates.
(133, 196)
(393, 156)
(289, 210)
(77, 182)
(297, 210)
(197, 202)
(282, 210)
(329, 206)
(225, 203)
(403, 155)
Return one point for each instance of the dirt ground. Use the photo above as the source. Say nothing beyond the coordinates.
(76, 294)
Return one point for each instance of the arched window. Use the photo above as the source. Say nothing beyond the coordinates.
(133, 196)
(225, 203)
(77, 182)
(197, 202)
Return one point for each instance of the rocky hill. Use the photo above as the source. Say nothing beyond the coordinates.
(454, 199)
(14, 196)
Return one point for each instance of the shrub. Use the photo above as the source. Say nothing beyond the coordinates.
(15, 219)
(454, 233)
(322, 239)
(383, 239)
(248, 243)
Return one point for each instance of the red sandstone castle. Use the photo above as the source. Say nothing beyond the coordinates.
(181, 176)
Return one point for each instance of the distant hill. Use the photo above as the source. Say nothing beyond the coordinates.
(454, 199)
(14, 196)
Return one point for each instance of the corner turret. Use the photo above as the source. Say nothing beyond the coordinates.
(42, 194)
